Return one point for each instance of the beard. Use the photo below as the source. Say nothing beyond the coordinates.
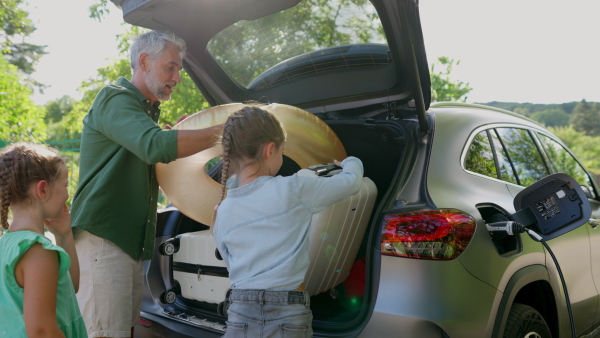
(156, 86)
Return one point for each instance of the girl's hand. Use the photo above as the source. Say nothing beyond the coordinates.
(338, 163)
(63, 235)
(61, 226)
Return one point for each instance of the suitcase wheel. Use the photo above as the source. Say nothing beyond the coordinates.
(169, 247)
(169, 296)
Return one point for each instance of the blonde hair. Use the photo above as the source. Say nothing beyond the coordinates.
(245, 133)
(22, 164)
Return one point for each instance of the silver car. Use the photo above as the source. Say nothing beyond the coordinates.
(427, 266)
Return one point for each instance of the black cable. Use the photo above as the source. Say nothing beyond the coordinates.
(562, 279)
(501, 228)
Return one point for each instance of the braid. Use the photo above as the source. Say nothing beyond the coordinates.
(4, 192)
(245, 133)
(22, 164)
(226, 142)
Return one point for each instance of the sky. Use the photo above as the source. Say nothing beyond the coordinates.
(538, 51)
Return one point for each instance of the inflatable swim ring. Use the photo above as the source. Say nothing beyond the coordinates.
(186, 183)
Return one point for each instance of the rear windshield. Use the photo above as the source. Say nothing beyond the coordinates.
(313, 37)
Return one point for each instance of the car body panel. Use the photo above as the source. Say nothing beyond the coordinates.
(593, 228)
(577, 265)
(422, 298)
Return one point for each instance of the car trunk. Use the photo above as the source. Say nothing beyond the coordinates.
(384, 146)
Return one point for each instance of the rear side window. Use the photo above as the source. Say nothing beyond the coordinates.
(507, 172)
(507, 154)
(562, 161)
(480, 157)
(523, 154)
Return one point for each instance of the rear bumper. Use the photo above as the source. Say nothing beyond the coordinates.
(431, 299)
(155, 326)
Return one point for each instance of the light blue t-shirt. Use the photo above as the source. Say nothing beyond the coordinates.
(262, 228)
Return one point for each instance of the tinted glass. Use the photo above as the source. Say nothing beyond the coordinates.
(283, 46)
(506, 170)
(562, 161)
(480, 157)
(523, 154)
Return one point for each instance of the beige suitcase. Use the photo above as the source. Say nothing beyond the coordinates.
(335, 236)
(200, 274)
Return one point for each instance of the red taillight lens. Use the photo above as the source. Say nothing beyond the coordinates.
(435, 234)
(144, 322)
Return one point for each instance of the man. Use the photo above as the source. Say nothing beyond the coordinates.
(114, 208)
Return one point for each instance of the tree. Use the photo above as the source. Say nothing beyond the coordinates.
(55, 110)
(15, 27)
(586, 148)
(552, 117)
(20, 118)
(443, 87)
(586, 118)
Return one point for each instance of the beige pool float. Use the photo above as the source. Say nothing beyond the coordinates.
(189, 188)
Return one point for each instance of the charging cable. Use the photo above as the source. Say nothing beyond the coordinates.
(503, 229)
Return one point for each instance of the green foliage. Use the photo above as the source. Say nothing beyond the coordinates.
(99, 10)
(443, 87)
(15, 25)
(586, 118)
(586, 148)
(20, 118)
(553, 117)
(56, 109)
(529, 109)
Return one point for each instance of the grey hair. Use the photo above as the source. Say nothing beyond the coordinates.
(153, 43)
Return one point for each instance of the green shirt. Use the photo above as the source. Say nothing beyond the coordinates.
(117, 191)
(13, 246)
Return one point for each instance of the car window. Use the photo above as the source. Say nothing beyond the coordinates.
(562, 161)
(314, 36)
(480, 157)
(507, 172)
(523, 154)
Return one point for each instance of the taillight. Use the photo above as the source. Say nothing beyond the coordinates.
(434, 234)
(144, 322)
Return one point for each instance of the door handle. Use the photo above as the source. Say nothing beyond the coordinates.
(594, 222)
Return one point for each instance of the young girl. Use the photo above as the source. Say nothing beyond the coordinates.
(262, 227)
(38, 279)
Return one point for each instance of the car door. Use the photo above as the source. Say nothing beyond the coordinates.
(528, 164)
(562, 160)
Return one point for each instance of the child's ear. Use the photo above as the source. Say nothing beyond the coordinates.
(41, 189)
(269, 150)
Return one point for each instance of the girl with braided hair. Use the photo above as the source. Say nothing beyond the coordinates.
(38, 278)
(262, 226)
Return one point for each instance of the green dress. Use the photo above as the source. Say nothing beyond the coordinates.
(12, 324)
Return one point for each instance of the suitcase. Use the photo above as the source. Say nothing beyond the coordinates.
(201, 275)
(336, 235)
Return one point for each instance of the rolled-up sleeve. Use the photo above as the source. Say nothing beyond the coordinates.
(122, 119)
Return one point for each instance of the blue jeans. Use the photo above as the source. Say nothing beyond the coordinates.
(261, 313)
